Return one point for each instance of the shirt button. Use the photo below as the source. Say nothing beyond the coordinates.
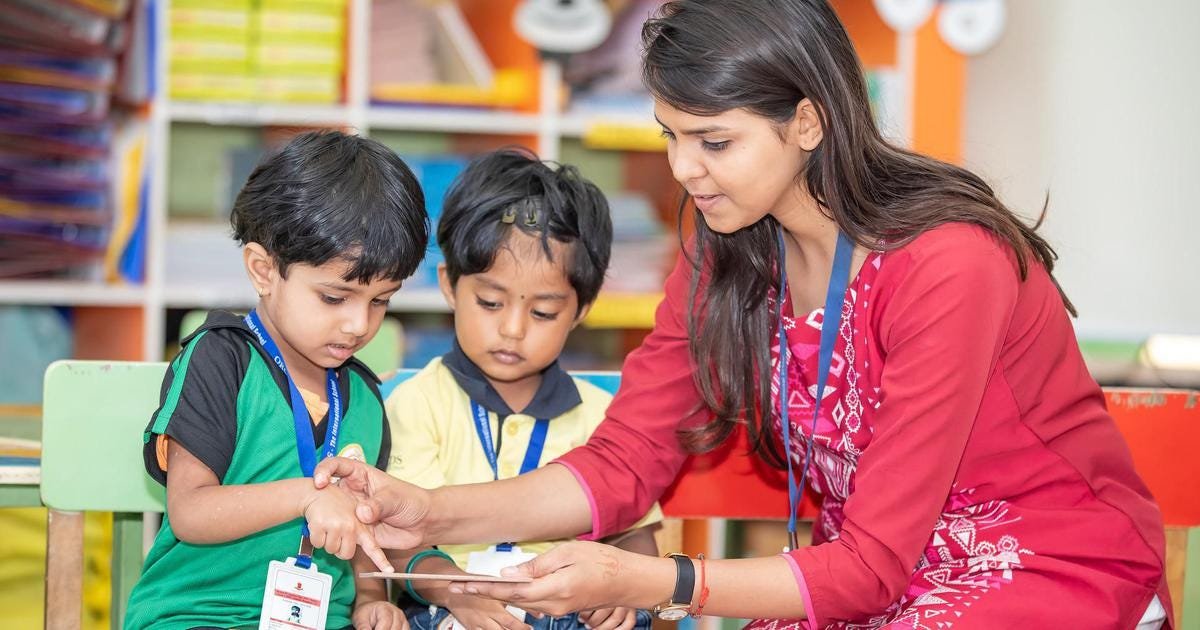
(511, 429)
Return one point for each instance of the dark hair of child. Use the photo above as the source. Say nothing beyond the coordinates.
(512, 189)
(327, 195)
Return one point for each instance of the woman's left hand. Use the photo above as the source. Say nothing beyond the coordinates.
(571, 577)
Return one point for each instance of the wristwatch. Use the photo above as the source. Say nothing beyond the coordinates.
(680, 604)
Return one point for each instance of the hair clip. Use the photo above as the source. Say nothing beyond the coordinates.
(531, 217)
(510, 215)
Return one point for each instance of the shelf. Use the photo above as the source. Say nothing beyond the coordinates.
(447, 119)
(70, 293)
(623, 310)
(210, 296)
(577, 125)
(615, 132)
(257, 114)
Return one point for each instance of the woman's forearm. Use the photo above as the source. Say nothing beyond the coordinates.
(500, 510)
(743, 589)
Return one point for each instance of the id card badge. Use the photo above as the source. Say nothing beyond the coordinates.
(490, 562)
(295, 597)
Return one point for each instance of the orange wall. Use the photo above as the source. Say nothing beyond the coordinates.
(108, 333)
(939, 93)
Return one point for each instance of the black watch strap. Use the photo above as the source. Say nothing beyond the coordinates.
(685, 579)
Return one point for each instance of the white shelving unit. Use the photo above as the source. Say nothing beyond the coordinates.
(76, 293)
(160, 291)
(257, 114)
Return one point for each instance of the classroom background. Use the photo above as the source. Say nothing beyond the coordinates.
(127, 127)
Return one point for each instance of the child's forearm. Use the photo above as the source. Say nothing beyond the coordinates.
(367, 590)
(435, 591)
(217, 513)
(640, 540)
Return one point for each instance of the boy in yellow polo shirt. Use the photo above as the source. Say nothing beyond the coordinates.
(526, 249)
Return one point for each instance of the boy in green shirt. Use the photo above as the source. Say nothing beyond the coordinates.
(329, 226)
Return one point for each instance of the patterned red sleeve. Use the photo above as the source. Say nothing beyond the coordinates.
(950, 296)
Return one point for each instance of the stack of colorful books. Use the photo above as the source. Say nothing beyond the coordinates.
(258, 50)
(72, 150)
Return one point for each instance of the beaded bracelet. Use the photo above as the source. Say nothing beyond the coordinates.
(703, 599)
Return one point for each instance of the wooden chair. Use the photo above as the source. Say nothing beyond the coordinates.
(93, 417)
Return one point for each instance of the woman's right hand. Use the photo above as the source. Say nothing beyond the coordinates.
(394, 510)
(572, 577)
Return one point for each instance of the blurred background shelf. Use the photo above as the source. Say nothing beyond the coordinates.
(452, 120)
(257, 114)
(70, 293)
(437, 82)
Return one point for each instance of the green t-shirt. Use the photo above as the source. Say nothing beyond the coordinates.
(227, 403)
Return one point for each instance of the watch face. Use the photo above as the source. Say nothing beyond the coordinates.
(672, 614)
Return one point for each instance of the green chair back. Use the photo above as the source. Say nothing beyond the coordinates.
(93, 418)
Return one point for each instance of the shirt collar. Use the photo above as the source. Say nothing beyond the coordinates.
(556, 395)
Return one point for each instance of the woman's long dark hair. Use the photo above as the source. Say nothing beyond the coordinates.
(705, 57)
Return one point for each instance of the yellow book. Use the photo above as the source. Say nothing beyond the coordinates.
(209, 50)
(299, 89)
(273, 21)
(624, 137)
(508, 90)
(212, 87)
(273, 58)
(216, 18)
(326, 7)
(223, 5)
(208, 33)
(129, 160)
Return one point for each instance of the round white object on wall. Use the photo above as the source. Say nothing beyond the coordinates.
(905, 15)
(971, 26)
(563, 26)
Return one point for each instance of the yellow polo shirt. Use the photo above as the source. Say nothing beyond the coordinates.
(434, 441)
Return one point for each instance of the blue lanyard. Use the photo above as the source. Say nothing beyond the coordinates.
(305, 446)
(533, 454)
(839, 279)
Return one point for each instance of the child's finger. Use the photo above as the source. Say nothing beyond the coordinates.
(397, 620)
(316, 536)
(615, 617)
(630, 621)
(367, 543)
(598, 617)
(347, 545)
(509, 621)
(330, 543)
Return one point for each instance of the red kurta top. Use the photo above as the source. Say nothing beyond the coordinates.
(971, 474)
